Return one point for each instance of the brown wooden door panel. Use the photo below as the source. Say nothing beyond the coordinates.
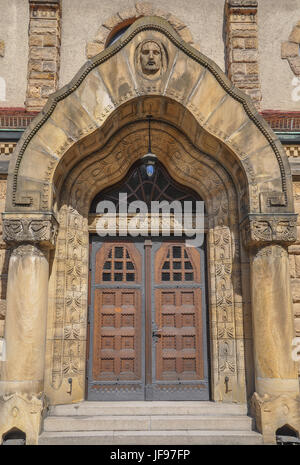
(117, 335)
(180, 368)
(178, 349)
(116, 357)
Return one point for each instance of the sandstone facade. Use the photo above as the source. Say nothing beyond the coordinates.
(208, 133)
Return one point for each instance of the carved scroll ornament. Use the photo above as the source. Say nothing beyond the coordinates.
(261, 229)
(41, 229)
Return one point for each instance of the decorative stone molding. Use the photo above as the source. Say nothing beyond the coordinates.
(24, 412)
(27, 249)
(12, 118)
(6, 149)
(44, 52)
(242, 47)
(290, 50)
(282, 120)
(273, 412)
(263, 229)
(292, 151)
(40, 228)
(126, 17)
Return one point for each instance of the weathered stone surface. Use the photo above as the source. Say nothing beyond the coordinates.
(242, 46)
(37, 229)
(242, 3)
(2, 48)
(44, 47)
(24, 412)
(94, 135)
(273, 412)
(93, 49)
(273, 329)
(295, 35)
(295, 65)
(144, 8)
(289, 49)
(141, 9)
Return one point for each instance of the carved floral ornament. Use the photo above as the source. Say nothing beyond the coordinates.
(262, 229)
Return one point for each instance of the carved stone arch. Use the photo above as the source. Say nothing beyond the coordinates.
(191, 80)
(124, 18)
(225, 149)
(228, 313)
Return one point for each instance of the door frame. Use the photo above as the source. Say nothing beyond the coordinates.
(156, 242)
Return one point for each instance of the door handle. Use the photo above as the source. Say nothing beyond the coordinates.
(156, 333)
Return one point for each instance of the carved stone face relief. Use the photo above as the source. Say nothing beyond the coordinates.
(150, 59)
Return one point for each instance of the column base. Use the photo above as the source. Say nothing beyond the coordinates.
(24, 412)
(273, 412)
(22, 387)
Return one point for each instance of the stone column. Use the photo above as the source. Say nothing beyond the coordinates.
(276, 401)
(25, 329)
(22, 399)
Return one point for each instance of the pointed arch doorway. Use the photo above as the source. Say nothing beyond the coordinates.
(148, 331)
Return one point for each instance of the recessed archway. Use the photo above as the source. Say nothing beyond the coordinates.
(206, 133)
(229, 315)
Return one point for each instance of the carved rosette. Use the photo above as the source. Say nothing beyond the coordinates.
(39, 228)
(263, 229)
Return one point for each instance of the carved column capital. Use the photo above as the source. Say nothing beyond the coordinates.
(263, 229)
(39, 228)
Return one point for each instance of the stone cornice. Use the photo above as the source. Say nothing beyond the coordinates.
(262, 229)
(38, 228)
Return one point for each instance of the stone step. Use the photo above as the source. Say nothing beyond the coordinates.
(151, 438)
(148, 408)
(148, 423)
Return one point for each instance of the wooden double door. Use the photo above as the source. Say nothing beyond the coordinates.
(147, 321)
